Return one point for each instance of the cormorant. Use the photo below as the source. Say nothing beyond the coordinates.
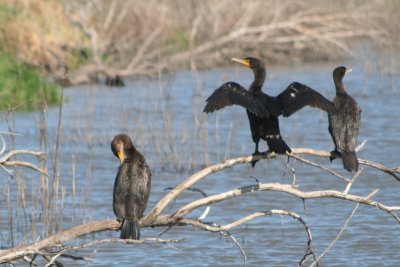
(132, 186)
(263, 110)
(114, 81)
(344, 123)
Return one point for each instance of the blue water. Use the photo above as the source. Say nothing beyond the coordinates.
(165, 120)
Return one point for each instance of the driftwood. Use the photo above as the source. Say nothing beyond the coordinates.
(155, 218)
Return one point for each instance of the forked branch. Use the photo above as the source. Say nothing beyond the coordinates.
(161, 205)
(179, 216)
(5, 159)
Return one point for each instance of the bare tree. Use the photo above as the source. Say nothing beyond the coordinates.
(52, 247)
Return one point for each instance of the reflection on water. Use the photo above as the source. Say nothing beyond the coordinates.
(165, 120)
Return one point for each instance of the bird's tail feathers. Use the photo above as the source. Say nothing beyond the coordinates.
(130, 230)
(350, 161)
(278, 146)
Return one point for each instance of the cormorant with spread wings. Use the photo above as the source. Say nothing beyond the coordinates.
(263, 110)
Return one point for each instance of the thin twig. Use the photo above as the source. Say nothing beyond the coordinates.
(17, 152)
(25, 164)
(351, 182)
(342, 230)
(230, 236)
(318, 166)
(3, 146)
(227, 227)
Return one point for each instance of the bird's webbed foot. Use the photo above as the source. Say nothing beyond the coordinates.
(335, 154)
(121, 221)
(253, 162)
(258, 153)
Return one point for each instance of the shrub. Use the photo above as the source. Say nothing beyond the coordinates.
(21, 86)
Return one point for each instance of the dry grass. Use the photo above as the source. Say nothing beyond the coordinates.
(33, 201)
(143, 37)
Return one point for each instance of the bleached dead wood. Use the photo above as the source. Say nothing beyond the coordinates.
(5, 159)
(179, 216)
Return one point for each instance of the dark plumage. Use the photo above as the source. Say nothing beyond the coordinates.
(344, 123)
(131, 187)
(263, 110)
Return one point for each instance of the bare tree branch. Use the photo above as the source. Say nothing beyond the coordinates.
(284, 188)
(17, 152)
(320, 153)
(343, 228)
(292, 155)
(178, 217)
(25, 164)
(231, 162)
(4, 161)
(225, 228)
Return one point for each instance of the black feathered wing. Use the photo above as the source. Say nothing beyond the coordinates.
(298, 95)
(131, 189)
(139, 189)
(232, 93)
(344, 123)
(344, 126)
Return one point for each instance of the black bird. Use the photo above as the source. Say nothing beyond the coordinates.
(344, 123)
(132, 186)
(263, 110)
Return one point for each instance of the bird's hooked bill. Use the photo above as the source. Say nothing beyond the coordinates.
(121, 155)
(241, 61)
(348, 70)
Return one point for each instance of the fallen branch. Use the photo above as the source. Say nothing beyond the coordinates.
(55, 240)
(284, 188)
(160, 206)
(178, 217)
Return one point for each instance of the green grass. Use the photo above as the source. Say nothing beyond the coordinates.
(179, 40)
(20, 86)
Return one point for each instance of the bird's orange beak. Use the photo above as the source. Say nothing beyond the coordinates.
(242, 61)
(121, 155)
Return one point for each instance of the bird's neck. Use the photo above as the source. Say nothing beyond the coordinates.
(259, 78)
(340, 89)
(131, 152)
